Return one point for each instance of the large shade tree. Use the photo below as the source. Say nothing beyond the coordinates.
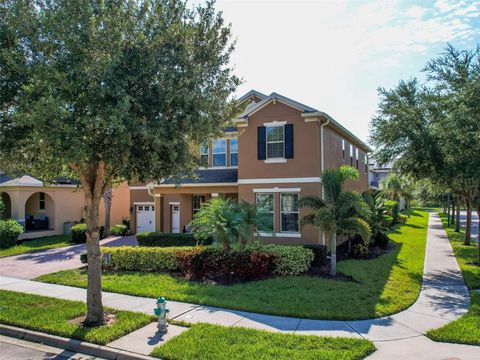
(432, 130)
(107, 90)
(340, 212)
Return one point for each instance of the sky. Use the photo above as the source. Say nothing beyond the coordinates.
(334, 55)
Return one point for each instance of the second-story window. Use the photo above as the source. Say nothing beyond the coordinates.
(219, 153)
(275, 142)
(356, 156)
(204, 155)
(234, 152)
(343, 149)
(351, 155)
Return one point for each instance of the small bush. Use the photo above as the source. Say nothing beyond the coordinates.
(9, 232)
(168, 239)
(126, 222)
(138, 258)
(319, 254)
(393, 210)
(119, 230)
(79, 231)
(360, 250)
(214, 264)
(381, 239)
(292, 260)
(402, 218)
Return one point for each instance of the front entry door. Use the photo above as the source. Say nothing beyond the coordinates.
(175, 219)
(145, 218)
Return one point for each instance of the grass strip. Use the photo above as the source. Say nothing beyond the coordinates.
(205, 341)
(27, 246)
(54, 316)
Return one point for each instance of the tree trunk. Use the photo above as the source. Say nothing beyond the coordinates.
(468, 227)
(448, 210)
(107, 200)
(95, 315)
(478, 236)
(453, 212)
(457, 216)
(333, 255)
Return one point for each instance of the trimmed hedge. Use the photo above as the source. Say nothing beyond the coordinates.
(214, 264)
(119, 230)
(168, 239)
(292, 259)
(140, 258)
(9, 232)
(79, 231)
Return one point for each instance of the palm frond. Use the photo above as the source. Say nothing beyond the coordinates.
(311, 201)
(355, 226)
(350, 203)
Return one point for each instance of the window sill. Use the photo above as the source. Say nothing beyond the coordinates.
(280, 234)
(275, 161)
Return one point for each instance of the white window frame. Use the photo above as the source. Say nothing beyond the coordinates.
(235, 152)
(366, 162)
(219, 153)
(266, 233)
(289, 212)
(277, 158)
(351, 155)
(42, 201)
(203, 153)
(357, 158)
(343, 149)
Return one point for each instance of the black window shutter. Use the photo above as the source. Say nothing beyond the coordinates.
(289, 141)
(261, 143)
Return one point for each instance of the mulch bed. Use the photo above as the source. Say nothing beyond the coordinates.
(110, 319)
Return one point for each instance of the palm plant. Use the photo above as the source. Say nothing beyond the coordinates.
(252, 219)
(339, 212)
(378, 217)
(220, 219)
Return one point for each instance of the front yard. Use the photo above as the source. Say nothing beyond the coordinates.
(57, 317)
(205, 341)
(381, 286)
(44, 243)
(465, 330)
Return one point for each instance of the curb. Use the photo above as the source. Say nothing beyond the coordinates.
(86, 348)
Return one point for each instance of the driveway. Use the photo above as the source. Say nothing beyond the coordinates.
(463, 222)
(34, 264)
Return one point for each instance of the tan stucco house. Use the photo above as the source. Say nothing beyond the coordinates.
(46, 210)
(274, 155)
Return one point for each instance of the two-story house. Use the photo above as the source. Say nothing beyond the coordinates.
(272, 157)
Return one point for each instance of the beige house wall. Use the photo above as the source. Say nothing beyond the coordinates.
(120, 208)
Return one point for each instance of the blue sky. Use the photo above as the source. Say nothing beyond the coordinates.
(333, 55)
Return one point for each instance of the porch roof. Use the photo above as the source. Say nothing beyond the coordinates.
(210, 176)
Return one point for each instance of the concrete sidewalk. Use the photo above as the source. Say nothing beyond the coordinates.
(34, 264)
(443, 298)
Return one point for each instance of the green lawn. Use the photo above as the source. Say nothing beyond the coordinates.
(465, 330)
(54, 316)
(205, 341)
(385, 285)
(48, 242)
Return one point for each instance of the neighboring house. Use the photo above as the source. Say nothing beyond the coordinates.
(376, 173)
(47, 210)
(273, 156)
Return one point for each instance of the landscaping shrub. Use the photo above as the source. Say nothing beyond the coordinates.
(168, 239)
(381, 239)
(393, 210)
(402, 218)
(138, 258)
(319, 254)
(126, 222)
(292, 260)
(119, 230)
(214, 264)
(9, 232)
(79, 233)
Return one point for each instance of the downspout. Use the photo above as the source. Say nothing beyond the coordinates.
(322, 166)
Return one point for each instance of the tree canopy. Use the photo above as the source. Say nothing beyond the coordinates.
(107, 89)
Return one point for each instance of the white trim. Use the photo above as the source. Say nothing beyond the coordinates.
(281, 180)
(144, 203)
(196, 185)
(274, 99)
(275, 123)
(219, 167)
(275, 160)
(138, 187)
(280, 234)
(278, 190)
(174, 203)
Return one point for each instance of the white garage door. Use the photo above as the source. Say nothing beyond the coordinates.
(145, 218)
